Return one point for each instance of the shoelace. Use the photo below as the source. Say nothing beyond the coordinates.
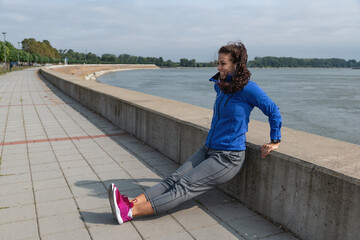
(126, 200)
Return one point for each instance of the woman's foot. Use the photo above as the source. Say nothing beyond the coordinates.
(122, 206)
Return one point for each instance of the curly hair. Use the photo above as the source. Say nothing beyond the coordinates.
(241, 75)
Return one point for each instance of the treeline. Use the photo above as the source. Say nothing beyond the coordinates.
(107, 58)
(261, 62)
(32, 52)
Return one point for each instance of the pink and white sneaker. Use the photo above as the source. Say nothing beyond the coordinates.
(122, 206)
(111, 199)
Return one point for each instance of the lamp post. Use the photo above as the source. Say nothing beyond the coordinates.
(5, 48)
(18, 55)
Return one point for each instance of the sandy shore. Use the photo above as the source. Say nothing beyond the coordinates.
(93, 71)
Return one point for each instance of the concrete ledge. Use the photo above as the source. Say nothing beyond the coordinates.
(310, 185)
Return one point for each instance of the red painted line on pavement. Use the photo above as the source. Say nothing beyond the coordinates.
(62, 139)
(27, 91)
(42, 104)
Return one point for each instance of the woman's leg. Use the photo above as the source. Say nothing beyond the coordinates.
(219, 167)
(166, 184)
(142, 209)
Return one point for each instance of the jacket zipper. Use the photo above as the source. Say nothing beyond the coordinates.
(228, 99)
(218, 110)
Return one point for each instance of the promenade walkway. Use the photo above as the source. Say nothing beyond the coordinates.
(58, 158)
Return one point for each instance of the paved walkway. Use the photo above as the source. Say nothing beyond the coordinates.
(58, 158)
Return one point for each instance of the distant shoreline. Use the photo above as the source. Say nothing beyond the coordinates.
(91, 72)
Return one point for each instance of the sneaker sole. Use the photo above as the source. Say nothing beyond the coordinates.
(118, 213)
(111, 200)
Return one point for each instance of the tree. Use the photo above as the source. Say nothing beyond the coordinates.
(91, 57)
(2, 51)
(184, 62)
(107, 57)
(43, 48)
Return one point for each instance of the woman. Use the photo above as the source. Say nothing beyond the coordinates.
(223, 153)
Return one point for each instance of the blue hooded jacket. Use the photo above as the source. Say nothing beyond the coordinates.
(231, 116)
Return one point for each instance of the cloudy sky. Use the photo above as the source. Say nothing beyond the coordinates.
(188, 28)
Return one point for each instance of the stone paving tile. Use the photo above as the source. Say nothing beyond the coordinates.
(80, 234)
(46, 175)
(144, 172)
(118, 174)
(119, 232)
(82, 179)
(213, 197)
(18, 161)
(280, 236)
(54, 166)
(60, 223)
(99, 161)
(98, 217)
(12, 230)
(158, 226)
(68, 158)
(72, 172)
(174, 236)
(109, 167)
(24, 168)
(73, 164)
(92, 202)
(133, 163)
(42, 159)
(195, 218)
(65, 150)
(12, 188)
(91, 189)
(57, 207)
(41, 155)
(215, 232)
(15, 178)
(230, 211)
(11, 153)
(50, 184)
(17, 213)
(254, 227)
(52, 194)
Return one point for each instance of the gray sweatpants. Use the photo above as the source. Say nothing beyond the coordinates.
(204, 170)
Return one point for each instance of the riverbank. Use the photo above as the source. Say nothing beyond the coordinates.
(92, 72)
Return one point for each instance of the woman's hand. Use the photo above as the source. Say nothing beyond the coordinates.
(267, 148)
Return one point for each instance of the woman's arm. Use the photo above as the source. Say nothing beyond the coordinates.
(259, 98)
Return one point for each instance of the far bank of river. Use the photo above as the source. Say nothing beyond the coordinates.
(322, 101)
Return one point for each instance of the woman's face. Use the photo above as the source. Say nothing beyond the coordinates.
(225, 65)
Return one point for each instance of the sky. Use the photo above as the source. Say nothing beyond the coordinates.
(193, 29)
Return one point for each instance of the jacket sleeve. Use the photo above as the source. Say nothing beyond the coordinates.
(257, 97)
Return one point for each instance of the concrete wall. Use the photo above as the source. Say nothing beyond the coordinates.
(310, 185)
